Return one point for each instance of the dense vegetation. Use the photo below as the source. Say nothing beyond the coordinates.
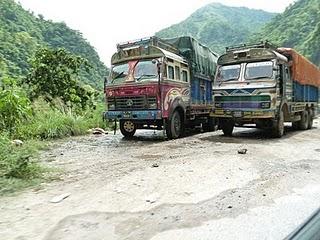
(45, 69)
(297, 27)
(219, 26)
(50, 102)
(22, 33)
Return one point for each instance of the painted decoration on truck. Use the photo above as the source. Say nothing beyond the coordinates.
(173, 93)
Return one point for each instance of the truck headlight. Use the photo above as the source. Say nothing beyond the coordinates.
(218, 105)
(153, 105)
(111, 106)
(265, 105)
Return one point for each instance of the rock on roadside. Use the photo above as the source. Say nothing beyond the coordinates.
(59, 198)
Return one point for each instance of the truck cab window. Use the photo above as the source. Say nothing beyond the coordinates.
(259, 70)
(229, 73)
(170, 72)
(177, 72)
(287, 72)
(145, 70)
(119, 73)
(184, 76)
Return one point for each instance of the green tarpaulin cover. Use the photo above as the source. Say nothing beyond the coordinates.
(203, 60)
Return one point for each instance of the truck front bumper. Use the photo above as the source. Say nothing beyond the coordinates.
(139, 115)
(244, 114)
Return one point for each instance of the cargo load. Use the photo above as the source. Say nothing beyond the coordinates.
(204, 61)
(303, 71)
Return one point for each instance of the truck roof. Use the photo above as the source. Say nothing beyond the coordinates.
(303, 71)
(261, 51)
(201, 59)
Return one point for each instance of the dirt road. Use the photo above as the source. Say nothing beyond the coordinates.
(197, 187)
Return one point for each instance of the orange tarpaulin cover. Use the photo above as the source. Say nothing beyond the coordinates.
(303, 71)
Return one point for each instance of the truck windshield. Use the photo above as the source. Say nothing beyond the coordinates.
(259, 70)
(119, 73)
(145, 70)
(137, 70)
(229, 73)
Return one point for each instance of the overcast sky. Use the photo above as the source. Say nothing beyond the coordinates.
(105, 23)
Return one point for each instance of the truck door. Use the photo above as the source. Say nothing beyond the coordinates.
(285, 82)
(288, 84)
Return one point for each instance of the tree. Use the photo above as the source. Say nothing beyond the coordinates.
(54, 74)
(14, 105)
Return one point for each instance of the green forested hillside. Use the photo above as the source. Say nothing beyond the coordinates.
(297, 27)
(22, 33)
(219, 26)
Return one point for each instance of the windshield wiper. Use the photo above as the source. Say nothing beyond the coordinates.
(230, 79)
(258, 78)
(119, 75)
(146, 75)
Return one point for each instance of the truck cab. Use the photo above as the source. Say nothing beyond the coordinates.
(257, 84)
(152, 85)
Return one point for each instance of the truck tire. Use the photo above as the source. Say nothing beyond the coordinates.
(303, 123)
(227, 127)
(278, 127)
(310, 119)
(175, 126)
(127, 128)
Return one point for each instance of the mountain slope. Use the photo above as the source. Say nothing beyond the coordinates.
(21, 34)
(219, 26)
(297, 27)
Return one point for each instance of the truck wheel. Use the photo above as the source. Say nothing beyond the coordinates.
(227, 127)
(127, 128)
(310, 119)
(174, 128)
(278, 128)
(303, 123)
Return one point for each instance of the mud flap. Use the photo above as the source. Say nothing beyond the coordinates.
(115, 127)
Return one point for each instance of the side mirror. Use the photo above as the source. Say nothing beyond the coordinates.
(187, 54)
(106, 80)
(276, 69)
(159, 64)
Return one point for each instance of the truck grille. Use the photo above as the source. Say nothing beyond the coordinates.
(152, 101)
(242, 102)
(133, 103)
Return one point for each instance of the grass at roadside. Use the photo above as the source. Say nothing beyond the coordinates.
(19, 165)
(49, 123)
